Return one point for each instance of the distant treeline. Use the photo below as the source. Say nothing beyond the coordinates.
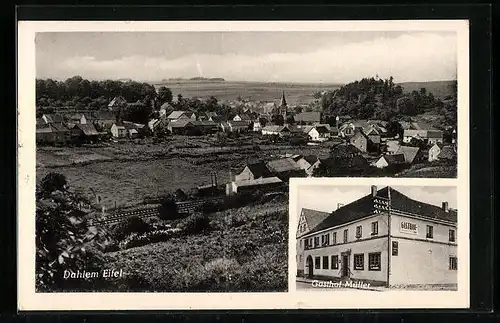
(373, 98)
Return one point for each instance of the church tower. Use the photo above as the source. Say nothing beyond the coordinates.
(283, 106)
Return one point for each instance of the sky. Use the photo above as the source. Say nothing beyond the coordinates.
(278, 56)
(326, 198)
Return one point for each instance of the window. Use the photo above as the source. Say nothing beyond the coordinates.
(327, 239)
(359, 261)
(395, 248)
(374, 261)
(300, 258)
(335, 262)
(453, 263)
(452, 235)
(359, 231)
(300, 243)
(346, 233)
(374, 228)
(430, 232)
(325, 262)
(316, 242)
(317, 262)
(334, 237)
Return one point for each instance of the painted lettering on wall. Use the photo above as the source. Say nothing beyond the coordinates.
(408, 227)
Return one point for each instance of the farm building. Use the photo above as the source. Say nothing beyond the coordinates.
(118, 130)
(117, 103)
(253, 171)
(441, 151)
(52, 118)
(385, 238)
(308, 163)
(183, 127)
(53, 133)
(165, 107)
(319, 133)
(262, 184)
(363, 143)
(308, 118)
(235, 126)
(390, 160)
(181, 115)
(430, 137)
(274, 130)
(284, 168)
(85, 132)
(206, 126)
(256, 126)
(243, 117)
(135, 130)
(76, 118)
(103, 119)
(392, 146)
(411, 154)
(308, 220)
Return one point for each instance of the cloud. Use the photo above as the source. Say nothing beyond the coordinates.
(409, 57)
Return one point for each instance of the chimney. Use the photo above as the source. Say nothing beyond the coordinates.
(339, 205)
(374, 190)
(445, 206)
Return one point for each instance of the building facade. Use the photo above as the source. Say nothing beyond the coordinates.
(384, 238)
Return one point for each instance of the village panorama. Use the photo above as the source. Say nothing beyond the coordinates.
(180, 188)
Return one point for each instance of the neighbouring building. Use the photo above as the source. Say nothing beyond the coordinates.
(235, 126)
(411, 154)
(390, 160)
(53, 118)
(308, 118)
(319, 133)
(256, 126)
(430, 137)
(392, 146)
(243, 117)
(308, 163)
(76, 118)
(385, 238)
(263, 184)
(308, 220)
(117, 103)
(183, 127)
(363, 143)
(284, 168)
(118, 130)
(53, 133)
(85, 132)
(441, 151)
(181, 115)
(253, 171)
(103, 119)
(274, 130)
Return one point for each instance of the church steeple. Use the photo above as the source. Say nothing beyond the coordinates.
(283, 100)
(283, 107)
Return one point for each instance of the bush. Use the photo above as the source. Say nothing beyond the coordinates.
(195, 223)
(138, 240)
(133, 224)
(168, 208)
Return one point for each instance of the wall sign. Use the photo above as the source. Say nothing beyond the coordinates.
(408, 227)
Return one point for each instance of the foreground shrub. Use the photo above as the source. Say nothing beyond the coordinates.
(195, 223)
(133, 224)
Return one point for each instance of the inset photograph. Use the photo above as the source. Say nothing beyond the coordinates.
(376, 238)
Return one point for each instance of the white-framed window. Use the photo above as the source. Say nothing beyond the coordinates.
(359, 231)
(452, 235)
(325, 262)
(317, 263)
(335, 262)
(374, 261)
(429, 232)
(316, 242)
(359, 261)
(374, 228)
(346, 235)
(453, 263)
(334, 238)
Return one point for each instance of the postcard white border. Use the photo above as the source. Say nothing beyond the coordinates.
(29, 300)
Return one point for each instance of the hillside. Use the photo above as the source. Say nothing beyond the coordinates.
(440, 89)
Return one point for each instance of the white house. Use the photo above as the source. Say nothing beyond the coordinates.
(257, 126)
(118, 131)
(319, 133)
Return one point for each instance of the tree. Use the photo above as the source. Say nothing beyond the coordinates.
(262, 121)
(290, 119)
(277, 119)
(394, 128)
(168, 208)
(164, 95)
(52, 182)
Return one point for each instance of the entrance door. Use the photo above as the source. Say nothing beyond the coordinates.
(345, 265)
(310, 267)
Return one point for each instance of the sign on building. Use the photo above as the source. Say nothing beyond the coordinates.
(408, 227)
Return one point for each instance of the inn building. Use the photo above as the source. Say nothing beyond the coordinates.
(384, 238)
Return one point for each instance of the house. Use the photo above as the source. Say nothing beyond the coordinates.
(165, 107)
(308, 118)
(181, 115)
(134, 130)
(206, 126)
(76, 118)
(308, 220)
(263, 184)
(256, 126)
(103, 119)
(361, 141)
(235, 126)
(308, 163)
(347, 130)
(276, 130)
(243, 117)
(52, 118)
(118, 130)
(52, 133)
(357, 244)
(117, 103)
(411, 154)
(85, 132)
(390, 160)
(344, 150)
(430, 137)
(284, 168)
(319, 133)
(441, 151)
(253, 171)
(392, 146)
(183, 127)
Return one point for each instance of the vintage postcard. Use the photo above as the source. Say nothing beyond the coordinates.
(163, 163)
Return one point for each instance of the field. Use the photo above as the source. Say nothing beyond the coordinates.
(296, 93)
(247, 253)
(255, 91)
(126, 173)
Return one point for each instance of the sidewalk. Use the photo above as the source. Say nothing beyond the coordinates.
(336, 280)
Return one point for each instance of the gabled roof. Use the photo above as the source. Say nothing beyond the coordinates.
(395, 159)
(311, 159)
(447, 152)
(282, 165)
(259, 170)
(375, 138)
(181, 123)
(117, 101)
(131, 125)
(308, 117)
(244, 117)
(87, 129)
(409, 153)
(275, 128)
(54, 118)
(259, 181)
(177, 114)
(322, 129)
(313, 217)
(344, 150)
(238, 123)
(364, 207)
